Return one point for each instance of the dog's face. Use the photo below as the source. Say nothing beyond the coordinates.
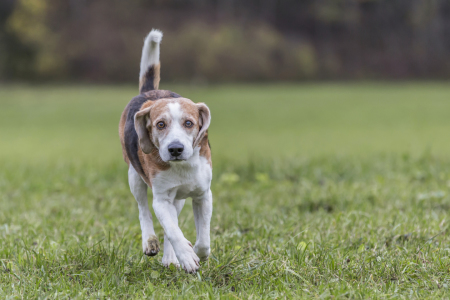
(172, 126)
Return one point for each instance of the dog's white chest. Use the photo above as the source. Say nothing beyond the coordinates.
(183, 180)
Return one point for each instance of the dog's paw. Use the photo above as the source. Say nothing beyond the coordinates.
(202, 252)
(151, 246)
(170, 259)
(189, 261)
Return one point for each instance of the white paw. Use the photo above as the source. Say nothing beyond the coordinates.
(189, 261)
(169, 258)
(151, 245)
(202, 252)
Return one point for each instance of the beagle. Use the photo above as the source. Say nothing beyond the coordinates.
(164, 141)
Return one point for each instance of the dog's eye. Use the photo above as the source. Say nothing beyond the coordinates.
(188, 124)
(160, 125)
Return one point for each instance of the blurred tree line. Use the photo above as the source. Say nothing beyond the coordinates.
(225, 40)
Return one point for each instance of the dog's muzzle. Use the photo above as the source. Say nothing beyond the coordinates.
(175, 149)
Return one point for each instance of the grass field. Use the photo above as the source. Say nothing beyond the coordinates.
(320, 191)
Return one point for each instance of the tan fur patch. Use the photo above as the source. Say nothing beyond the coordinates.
(158, 94)
(157, 76)
(189, 108)
(123, 119)
(141, 82)
(158, 107)
(205, 150)
(152, 164)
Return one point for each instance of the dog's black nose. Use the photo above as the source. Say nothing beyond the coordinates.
(176, 149)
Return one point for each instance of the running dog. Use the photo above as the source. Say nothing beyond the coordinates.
(165, 143)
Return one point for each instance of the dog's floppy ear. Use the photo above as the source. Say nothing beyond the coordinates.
(142, 124)
(204, 119)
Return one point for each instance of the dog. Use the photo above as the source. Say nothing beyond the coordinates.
(165, 143)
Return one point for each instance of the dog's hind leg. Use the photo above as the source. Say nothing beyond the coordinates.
(202, 214)
(169, 256)
(150, 243)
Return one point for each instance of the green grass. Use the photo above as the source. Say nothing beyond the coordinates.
(320, 190)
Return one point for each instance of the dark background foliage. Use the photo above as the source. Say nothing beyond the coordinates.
(225, 40)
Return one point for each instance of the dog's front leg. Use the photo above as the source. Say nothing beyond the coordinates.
(169, 256)
(202, 206)
(166, 213)
(150, 244)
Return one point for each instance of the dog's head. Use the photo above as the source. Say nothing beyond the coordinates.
(174, 127)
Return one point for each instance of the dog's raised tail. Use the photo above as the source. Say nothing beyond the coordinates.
(150, 66)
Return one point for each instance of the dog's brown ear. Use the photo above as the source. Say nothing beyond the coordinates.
(142, 124)
(204, 120)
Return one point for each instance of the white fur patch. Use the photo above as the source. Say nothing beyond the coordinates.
(184, 179)
(175, 111)
(150, 51)
(177, 133)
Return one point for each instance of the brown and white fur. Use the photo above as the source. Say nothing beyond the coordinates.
(164, 141)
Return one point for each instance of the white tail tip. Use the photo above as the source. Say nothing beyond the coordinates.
(154, 36)
(150, 51)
